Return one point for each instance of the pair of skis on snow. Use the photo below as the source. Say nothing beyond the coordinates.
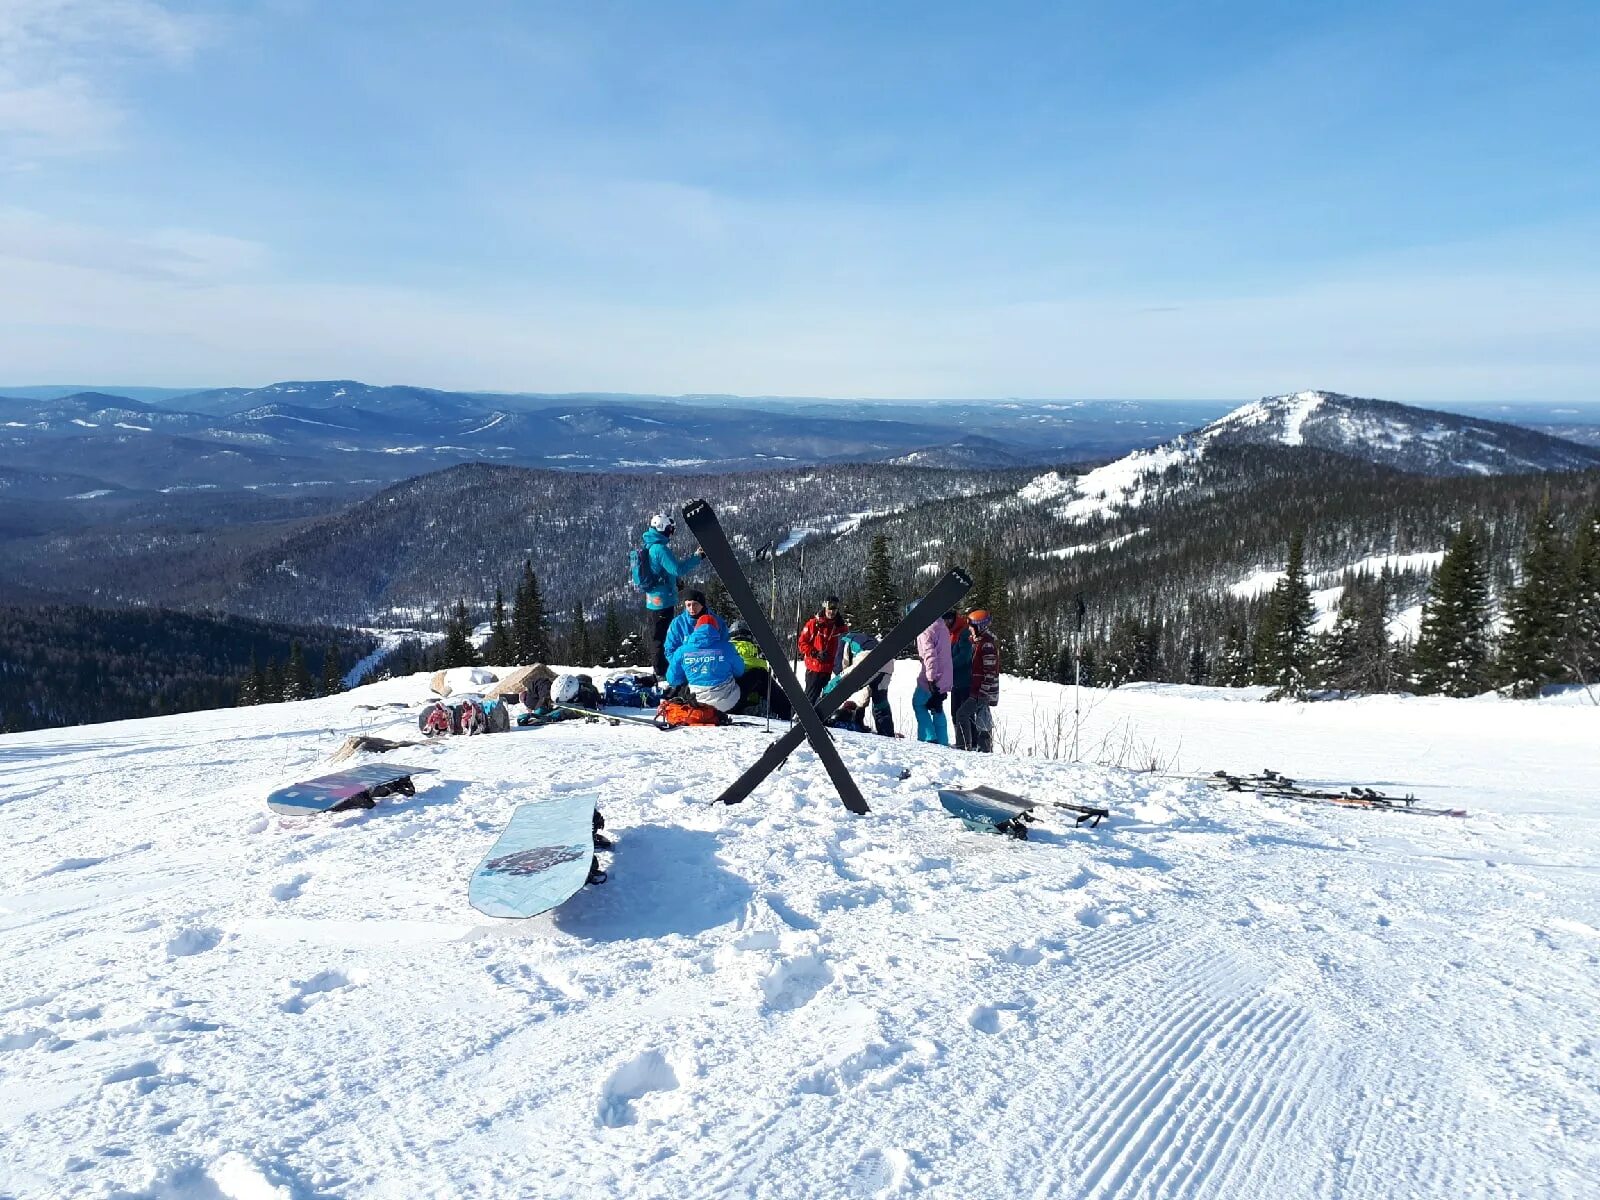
(1271, 783)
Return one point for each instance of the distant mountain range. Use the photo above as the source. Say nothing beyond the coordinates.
(317, 433)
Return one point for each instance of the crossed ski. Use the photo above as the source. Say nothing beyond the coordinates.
(703, 523)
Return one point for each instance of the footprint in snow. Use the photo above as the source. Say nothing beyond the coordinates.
(632, 1081)
(879, 1173)
(291, 889)
(316, 989)
(794, 982)
(995, 1018)
(197, 939)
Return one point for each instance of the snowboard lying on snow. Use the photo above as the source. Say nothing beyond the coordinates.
(989, 810)
(544, 855)
(359, 787)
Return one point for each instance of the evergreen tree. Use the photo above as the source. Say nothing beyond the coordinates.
(458, 650)
(1452, 650)
(1537, 612)
(501, 648)
(580, 652)
(1237, 667)
(883, 607)
(530, 629)
(296, 678)
(332, 672)
(1283, 643)
(1580, 646)
(1199, 665)
(719, 602)
(271, 683)
(611, 641)
(251, 687)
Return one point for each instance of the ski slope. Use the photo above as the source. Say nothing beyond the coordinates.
(1210, 995)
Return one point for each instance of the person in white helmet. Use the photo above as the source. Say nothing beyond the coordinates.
(657, 571)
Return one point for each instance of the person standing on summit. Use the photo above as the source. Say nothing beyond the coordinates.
(935, 678)
(819, 646)
(656, 571)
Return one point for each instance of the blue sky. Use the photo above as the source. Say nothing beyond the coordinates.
(1187, 200)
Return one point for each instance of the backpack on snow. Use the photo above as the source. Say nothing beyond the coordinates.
(673, 713)
(642, 570)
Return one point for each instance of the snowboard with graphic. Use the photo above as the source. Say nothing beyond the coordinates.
(544, 855)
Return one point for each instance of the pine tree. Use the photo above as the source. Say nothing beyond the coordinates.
(251, 686)
(719, 602)
(1199, 665)
(271, 683)
(580, 652)
(458, 650)
(530, 629)
(1452, 650)
(1237, 667)
(296, 678)
(1283, 646)
(332, 672)
(500, 649)
(611, 641)
(883, 607)
(1580, 646)
(1537, 612)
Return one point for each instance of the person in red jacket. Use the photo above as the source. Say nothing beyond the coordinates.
(974, 722)
(819, 645)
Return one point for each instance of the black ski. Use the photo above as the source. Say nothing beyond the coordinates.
(703, 524)
(1271, 783)
(929, 609)
(1086, 813)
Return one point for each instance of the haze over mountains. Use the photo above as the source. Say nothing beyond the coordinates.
(340, 432)
(316, 433)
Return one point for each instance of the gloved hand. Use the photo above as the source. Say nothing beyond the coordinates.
(935, 700)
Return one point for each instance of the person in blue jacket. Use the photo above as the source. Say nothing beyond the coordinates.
(709, 664)
(662, 598)
(694, 607)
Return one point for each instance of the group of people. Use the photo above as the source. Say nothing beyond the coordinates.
(958, 658)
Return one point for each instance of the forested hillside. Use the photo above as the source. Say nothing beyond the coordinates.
(70, 665)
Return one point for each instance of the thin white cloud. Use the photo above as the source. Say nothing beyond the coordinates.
(179, 307)
(58, 64)
(184, 256)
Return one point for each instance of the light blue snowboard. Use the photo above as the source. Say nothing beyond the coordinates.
(359, 787)
(541, 858)
(987, 813)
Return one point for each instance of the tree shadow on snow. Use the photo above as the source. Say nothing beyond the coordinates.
(664, 879)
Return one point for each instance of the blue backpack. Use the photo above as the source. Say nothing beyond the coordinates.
(642, 569)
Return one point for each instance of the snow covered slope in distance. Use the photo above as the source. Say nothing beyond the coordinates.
(1415, 440)
(1210, 995)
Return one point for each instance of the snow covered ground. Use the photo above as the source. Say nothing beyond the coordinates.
(1209, 995)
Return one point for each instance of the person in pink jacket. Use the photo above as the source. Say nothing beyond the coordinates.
(935, 678)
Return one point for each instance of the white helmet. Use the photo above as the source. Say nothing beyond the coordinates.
(663, 522)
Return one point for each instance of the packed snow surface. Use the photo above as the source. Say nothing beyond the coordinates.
(1210, 995)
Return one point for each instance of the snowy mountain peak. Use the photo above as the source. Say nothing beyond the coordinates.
(1417, 441)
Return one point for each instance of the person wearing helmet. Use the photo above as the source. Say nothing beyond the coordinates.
(819, 646)
(760, 697)
(974, 722)
(661, 595)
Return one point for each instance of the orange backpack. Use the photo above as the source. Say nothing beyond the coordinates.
(672, 713)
